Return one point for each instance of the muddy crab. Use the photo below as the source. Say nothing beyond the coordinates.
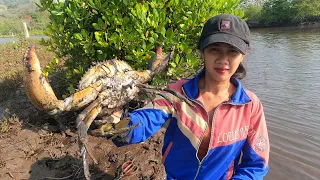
(103, 90)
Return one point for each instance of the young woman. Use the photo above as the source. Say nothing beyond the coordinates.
(225, 135)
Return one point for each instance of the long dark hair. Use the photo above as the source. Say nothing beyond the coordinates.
(241, 72)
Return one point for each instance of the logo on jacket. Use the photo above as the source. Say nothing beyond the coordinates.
(261, 144)
(233, 135)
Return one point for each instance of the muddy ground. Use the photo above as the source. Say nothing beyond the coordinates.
(33, 148)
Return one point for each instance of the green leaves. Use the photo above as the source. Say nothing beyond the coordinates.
(96, 30)
(169, 33)
(282, 13)
(78, 36)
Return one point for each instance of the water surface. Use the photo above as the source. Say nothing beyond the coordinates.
(284, 71)
(15, 39)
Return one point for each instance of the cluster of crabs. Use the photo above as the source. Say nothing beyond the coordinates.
(104, 90)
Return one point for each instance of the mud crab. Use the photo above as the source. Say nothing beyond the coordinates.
(103, 90)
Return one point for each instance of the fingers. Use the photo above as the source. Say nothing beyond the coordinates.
(116, 116)
(113, 118)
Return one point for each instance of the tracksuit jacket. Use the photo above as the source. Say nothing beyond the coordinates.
(239, 144)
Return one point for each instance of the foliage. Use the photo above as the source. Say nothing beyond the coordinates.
(4, 126)
(7, 27)
(281, 12)
(245, 3)
(7, 121)
(11, 19)
(308, 10)
(2, 7)
(95, 30)
(14, 3)
(253, 13)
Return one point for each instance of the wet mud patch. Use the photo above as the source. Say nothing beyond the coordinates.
(37, 153)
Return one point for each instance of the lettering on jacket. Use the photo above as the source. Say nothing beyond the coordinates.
(233, 135)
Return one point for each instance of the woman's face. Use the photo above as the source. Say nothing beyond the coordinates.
(221, 61)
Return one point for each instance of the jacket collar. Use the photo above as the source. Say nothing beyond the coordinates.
(192, 91)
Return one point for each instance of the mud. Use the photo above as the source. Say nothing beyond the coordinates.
(33, 148)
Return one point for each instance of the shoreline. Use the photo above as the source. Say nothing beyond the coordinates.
(8, 36)
(9, 39)
(18, 36)
(313, 24)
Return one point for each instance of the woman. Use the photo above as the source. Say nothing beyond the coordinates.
(225, 136)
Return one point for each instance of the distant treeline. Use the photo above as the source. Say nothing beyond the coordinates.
(14, 12)
(271, 13)
(14, 3)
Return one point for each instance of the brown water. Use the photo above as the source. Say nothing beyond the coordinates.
(284, 71)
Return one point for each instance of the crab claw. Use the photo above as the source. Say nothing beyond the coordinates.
(159, 62)
(43, 97)
(37, 88)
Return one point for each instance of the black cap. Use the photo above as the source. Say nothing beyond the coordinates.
(225, 28)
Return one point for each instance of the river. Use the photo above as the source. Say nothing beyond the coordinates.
(15, 39)
(283, 70)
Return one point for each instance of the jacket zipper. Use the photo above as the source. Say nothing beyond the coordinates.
(200, 104)
(212, 129)
(200, 162)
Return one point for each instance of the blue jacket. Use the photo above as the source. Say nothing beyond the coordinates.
(239, 145)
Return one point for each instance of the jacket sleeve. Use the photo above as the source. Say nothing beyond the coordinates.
(253, 164)
(150, 119)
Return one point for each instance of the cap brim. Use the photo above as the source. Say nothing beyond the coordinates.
(234, 41)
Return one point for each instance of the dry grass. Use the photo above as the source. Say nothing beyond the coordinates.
(11, 65)
(6, 122)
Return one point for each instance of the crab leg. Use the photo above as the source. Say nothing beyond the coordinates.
(175, 93)
(84, 121)
(85, 163)
(83, 97)
(83, 124)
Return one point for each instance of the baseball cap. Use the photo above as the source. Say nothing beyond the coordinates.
(226, 28)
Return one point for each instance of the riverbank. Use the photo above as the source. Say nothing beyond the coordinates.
(4, 40)
(313, 24)
(8, 36)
